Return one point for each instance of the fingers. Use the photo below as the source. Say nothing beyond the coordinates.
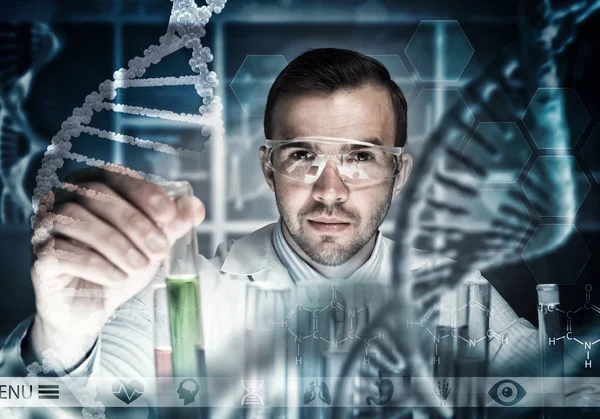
(115, 228)
(149, 198)
(190, 213)
(174, 217)
(63, 257)
(130, 221)
(101, 236)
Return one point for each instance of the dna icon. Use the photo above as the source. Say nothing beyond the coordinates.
(448, 208)
(252, 397)
(185, 29)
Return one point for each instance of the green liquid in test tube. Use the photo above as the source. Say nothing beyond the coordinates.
(183, 294)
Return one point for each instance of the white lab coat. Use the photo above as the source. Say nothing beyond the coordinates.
(224, 280)
(125, 347)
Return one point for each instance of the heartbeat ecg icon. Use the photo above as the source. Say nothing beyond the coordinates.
(252, 397)
(127, 392)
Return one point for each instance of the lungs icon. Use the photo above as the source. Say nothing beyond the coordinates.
(324, 394)
(310, 394)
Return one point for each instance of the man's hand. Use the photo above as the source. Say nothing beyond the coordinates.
(98, 245)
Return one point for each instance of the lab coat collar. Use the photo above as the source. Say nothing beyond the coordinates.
(254, 254)
(251, 254)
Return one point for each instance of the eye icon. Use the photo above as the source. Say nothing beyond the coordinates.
(507, 392)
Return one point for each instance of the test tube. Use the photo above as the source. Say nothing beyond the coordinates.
(551, 347)
(162, 337)
(471, 365)
(444, 352)
(312, 318)
(183, 289)
(478, 321)
(339, 323)
(266, 348)
(460, 333)
(183, 298)
(163, 353)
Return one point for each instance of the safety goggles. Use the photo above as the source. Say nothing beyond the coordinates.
(358, 163)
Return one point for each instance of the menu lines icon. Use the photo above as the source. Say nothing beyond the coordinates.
(48, 391)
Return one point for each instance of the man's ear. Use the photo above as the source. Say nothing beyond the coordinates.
(267, 173)
(402, 177)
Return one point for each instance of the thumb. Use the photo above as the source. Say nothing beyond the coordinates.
(190, 213)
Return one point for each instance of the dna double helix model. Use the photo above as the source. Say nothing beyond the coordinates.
(436, 212)
(426, 217)
(27, 48)
(185, 29)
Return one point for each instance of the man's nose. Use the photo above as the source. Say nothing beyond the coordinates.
(330, 187)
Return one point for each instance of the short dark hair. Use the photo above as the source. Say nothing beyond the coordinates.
(326, 70)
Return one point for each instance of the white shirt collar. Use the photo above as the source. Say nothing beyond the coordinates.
(301, 271)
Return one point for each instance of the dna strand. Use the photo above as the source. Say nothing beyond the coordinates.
(436, 211)
(26, 49)
(185, 29)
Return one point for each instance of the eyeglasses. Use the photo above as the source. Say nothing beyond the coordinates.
(359, 163)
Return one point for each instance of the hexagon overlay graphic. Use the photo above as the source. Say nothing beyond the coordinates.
(509, 212)
(429, 106)
(591, 152)
(439, 50)
(542, 111)
(501, 149)
(563, 266)
(398, 72)
(555, 201)
(253, 80)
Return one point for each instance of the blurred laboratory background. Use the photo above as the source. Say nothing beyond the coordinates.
(54, 53)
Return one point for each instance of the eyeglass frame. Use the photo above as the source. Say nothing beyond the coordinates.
(271, 144)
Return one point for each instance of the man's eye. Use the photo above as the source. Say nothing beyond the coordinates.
(360, 157)
(302, 155)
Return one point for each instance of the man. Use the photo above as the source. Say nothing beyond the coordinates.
(336, 125)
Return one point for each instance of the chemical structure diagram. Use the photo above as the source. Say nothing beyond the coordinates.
(587, 305)
(317, 314)
(454, 331)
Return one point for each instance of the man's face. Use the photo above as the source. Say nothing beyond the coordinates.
(328, 221)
